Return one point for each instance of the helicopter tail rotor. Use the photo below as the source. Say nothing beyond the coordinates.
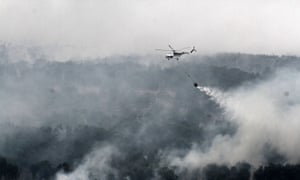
(193, 50)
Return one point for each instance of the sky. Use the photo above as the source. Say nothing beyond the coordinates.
(101, 28)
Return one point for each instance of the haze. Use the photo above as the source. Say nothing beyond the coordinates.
(91, 28)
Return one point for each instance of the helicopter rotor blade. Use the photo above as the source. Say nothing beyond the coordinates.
(162, 50)
(184, 48)
(171, 47)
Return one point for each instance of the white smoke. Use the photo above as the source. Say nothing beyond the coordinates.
(95, 166)
(266, 114)
(214, 94)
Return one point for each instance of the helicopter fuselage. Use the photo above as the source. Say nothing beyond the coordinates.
(175, 55)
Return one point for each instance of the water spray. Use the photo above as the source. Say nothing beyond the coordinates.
(214, 94)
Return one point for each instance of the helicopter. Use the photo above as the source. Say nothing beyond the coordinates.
(176, 54)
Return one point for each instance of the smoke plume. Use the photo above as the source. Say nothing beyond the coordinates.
(266, 115)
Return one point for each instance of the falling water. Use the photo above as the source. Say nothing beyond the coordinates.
(214, 94)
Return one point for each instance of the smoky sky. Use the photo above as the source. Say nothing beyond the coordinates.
(66, 28)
